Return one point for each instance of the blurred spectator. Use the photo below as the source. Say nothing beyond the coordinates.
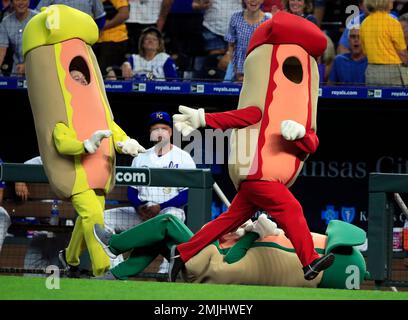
(343, 45)
(303, 8)
(183, 35)
(152, 62)
(242, 26)
(350, 67)
(143, 14)
(404, 24)
(332, 15)
(400, 7)
(319, 9)
(11, 32)
(5, 8)
(217, 15)
(7, 65)
(111, 47)
(384, 44)
(4, 217)
(92, 7)
(325, 62)
(272, 6)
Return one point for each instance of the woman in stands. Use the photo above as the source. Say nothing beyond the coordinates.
(241, 27)
(303, 8)
(152, 62)
(384, 44)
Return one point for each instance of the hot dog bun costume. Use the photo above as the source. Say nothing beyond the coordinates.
(255, 258)
(272, 260)
(76, 134)
(274, 131)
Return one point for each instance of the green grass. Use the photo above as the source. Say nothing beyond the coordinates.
(27, 288)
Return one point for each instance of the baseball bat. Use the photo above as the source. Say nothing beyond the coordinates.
(221, 194)
(401, 204)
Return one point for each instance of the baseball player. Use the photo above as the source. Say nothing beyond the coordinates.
(148, 202)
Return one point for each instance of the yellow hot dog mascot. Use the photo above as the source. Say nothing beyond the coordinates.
(76, 134)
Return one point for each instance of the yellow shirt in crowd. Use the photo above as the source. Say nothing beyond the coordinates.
(118, 33)
(381, 37)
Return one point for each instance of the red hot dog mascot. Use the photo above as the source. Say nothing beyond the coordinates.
(277, 106)
(76, 134)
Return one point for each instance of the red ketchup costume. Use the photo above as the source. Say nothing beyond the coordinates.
(274, 132)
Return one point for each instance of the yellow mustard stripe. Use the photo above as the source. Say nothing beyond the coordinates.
(81, 181)
(61, 77)
(109, 120)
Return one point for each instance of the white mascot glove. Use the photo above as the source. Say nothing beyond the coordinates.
(92, 144)
(130, 146)
(189, 120)
(265, 227)
(291, 130)
(244, 228)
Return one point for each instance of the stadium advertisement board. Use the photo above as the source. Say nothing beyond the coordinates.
(224, 89)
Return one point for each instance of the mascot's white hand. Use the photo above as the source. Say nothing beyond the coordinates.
(131, 146)
(92, 144)
(189, 120)
(265, 227)
(244, 228)
(291, 130)
(240, 232)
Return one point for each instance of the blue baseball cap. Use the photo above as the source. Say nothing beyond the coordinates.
(159, 117)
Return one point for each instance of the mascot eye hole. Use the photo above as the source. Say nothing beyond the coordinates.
(292, 69)
(79, 71)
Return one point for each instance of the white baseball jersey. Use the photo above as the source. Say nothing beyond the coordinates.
(174, 159)
(36, 160)
(142, 67)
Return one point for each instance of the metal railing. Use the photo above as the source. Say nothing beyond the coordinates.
(381, 210)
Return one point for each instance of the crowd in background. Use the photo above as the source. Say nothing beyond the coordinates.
(207, 39)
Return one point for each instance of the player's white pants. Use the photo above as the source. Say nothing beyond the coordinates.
(4, 225)
(123, 218)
